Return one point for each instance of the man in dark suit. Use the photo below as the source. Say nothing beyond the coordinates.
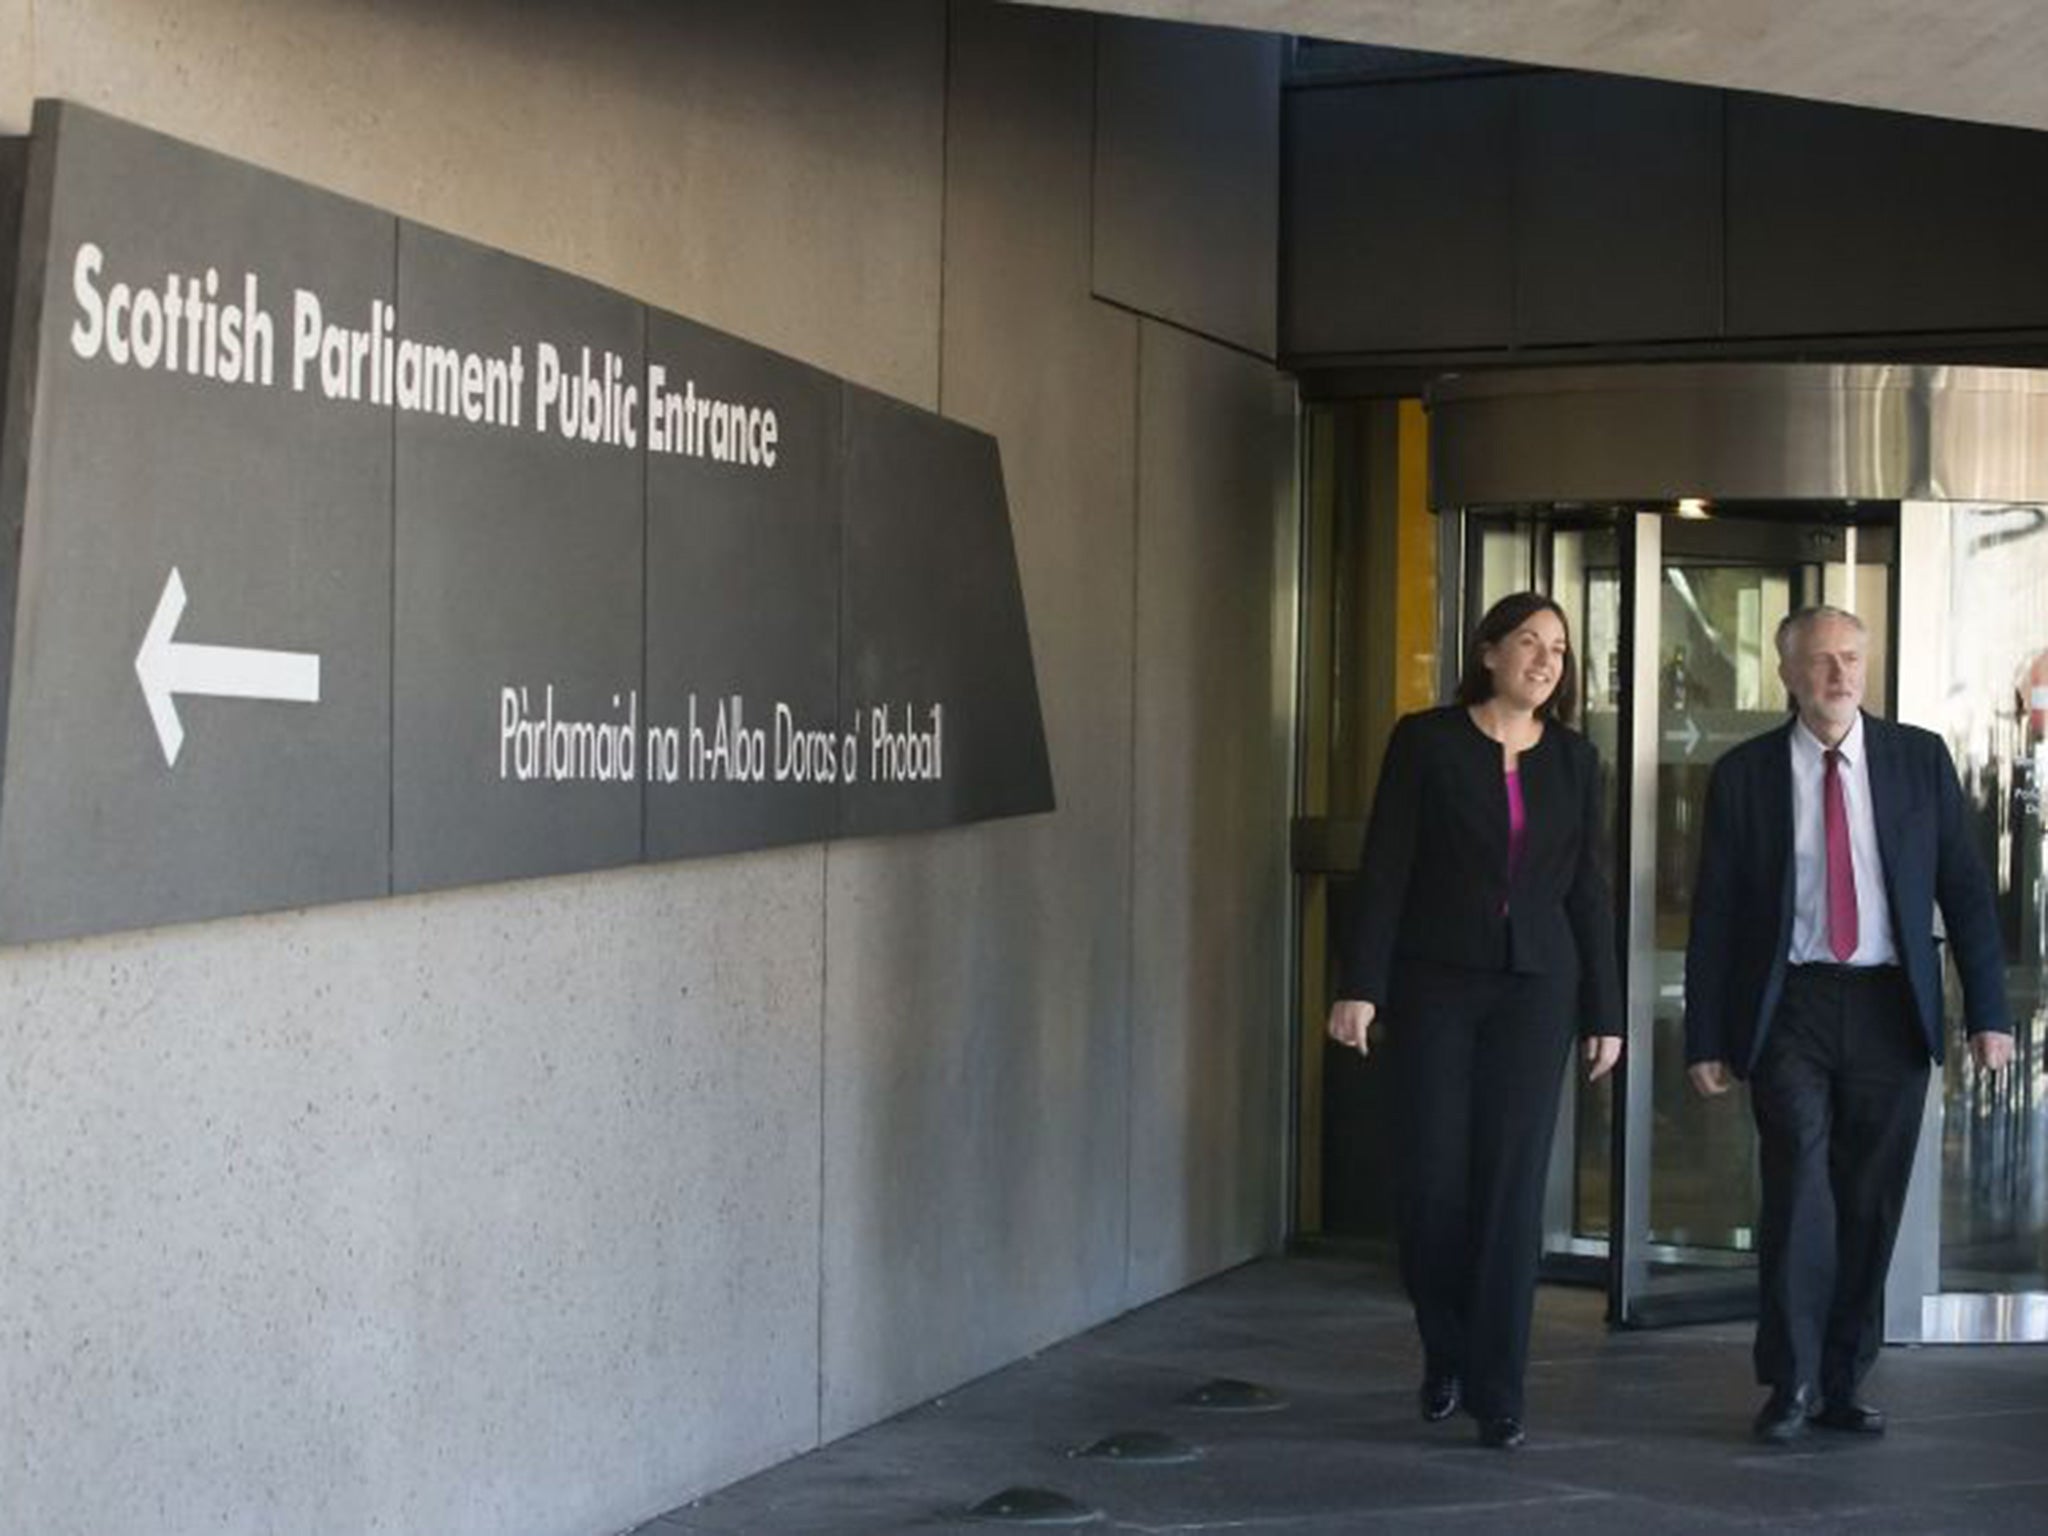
(1814, 972)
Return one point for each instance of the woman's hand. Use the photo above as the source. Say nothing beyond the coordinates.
(1711, 1078)
(1601, 1053)
(1350, 1022)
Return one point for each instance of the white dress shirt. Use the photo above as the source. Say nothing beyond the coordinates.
(1810, 853)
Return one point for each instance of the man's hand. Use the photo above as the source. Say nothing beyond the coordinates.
(1601, 1052)
(1711, 1078)
(1991, 1049)
(1350, 1022)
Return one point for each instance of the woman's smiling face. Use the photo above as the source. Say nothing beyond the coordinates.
(1528, 663)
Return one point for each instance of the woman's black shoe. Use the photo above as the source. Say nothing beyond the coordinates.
(1501, 1434)
(1850, 1415)
(1782, 1419)
(1438, 1397)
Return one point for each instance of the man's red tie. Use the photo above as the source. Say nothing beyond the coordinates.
(1841, 870)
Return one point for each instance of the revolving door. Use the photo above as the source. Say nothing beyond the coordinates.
(1678, 514)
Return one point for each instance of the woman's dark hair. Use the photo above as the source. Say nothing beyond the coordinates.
(1475, 684)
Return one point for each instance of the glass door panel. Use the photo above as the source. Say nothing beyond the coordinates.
(1576, 562)
(1722, 586)
(1594, 603)
(1675, 623)
(1994, 1153)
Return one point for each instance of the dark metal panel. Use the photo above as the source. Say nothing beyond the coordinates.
(271, 504)
(1842, 219)
(1187, 173)
(933, 620)
(519, 556)
(1617, 210)
(1397, 215)
(742, 602)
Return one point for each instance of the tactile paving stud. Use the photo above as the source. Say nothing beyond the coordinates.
(1147, 1447)
(1033, 1506)
(1224, 1395)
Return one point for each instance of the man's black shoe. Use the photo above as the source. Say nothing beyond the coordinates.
(1782, 1419)
(1501, 1434)
(1851, 1417)
(1439, 1396)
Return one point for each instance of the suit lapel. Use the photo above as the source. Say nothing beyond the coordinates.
(1888, 794)
(1777, 827)
(1887, 791)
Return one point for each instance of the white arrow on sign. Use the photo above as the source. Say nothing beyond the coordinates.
(167, 667)
(1690, 735)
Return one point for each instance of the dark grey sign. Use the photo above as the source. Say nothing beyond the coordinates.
(742, 595)
(199, 721)
(516, 723)
(357, 558)
(935, 661)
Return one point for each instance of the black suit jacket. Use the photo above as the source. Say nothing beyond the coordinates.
(1736, 959)
(1434, 882)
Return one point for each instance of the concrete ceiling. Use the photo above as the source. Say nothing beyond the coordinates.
(1980, 60)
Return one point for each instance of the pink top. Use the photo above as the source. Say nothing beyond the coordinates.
(1518, 822)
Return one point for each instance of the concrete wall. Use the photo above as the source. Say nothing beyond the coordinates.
(543, 1207)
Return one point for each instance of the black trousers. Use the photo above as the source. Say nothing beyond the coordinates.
(1837, 1095)
(1476, 1060)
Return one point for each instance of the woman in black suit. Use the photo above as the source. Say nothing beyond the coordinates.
(1482, 938)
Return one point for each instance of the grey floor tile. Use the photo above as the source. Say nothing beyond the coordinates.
(1636, 1433)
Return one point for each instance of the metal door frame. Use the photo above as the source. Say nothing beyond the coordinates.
(1628, 1256)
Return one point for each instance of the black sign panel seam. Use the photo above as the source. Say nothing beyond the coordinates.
(645, 787)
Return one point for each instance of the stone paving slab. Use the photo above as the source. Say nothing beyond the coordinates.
(1637, 1433)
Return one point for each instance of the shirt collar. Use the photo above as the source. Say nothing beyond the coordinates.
(1810, 745)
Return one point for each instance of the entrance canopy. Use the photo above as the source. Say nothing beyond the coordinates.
(1983, 61)
(1743, 432)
